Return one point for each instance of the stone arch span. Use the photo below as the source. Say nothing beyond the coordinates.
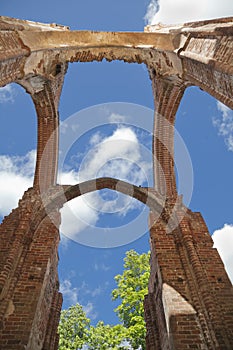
(57, 196)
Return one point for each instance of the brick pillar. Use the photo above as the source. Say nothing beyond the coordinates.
(45, 91)
(47, 139)
(29, 299)
(190, 301)
(168, 92)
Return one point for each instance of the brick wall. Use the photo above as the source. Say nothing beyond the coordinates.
(189, 289)
(30, 301)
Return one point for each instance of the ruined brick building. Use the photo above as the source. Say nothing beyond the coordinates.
(190, 300)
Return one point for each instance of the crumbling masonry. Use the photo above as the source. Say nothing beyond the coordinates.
(190, 300)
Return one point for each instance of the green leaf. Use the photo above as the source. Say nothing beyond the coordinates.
(75, 330)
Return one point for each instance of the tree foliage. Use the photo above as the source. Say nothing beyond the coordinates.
(73, 328)
(105, 337)
(131, 288)
(76, 332)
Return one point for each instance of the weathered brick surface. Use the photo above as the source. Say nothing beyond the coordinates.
(190, 300)
(193, 296)
(30, 301)
(167, 97)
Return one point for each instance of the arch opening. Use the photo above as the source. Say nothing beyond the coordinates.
(18, 149)
(63, 194)
(199, 125)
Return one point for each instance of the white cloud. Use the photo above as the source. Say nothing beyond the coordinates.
(85, 290)
(180, 11)
(152, 9)
(7, 94)
(97, 291)
(224, 123)
(117, 118)
(69, 292)
(223, 241)
(95, 139)
(63, 127)
(89, 310)
(127, 345)
(118, 155)
(82, 294)
(122, 144)
(16, 175)
(77, 214)
(101, 267)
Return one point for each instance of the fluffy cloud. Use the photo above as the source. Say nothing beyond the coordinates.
(69, 292)
(101, 267)
(89, 310)
(152, 9)
(118, 155)
(77, 214)
(16, 175)
(116, 118)
(180, 11)
(85, 290)
(71, 295)
(223, 241)
(102, 160)
(224, 123)
(7, 94)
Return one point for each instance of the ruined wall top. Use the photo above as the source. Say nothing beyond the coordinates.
(213, 26)
(8, 23)
(184, 52)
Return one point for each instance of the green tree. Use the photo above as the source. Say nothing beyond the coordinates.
(105, 337)
(131, 288)
(73, 328)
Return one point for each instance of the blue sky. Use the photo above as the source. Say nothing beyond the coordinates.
(206, 127)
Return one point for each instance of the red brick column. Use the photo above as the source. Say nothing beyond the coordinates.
(47, 142)
(46, 94)
(189, 289)
(168, 92)
(29, 299)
